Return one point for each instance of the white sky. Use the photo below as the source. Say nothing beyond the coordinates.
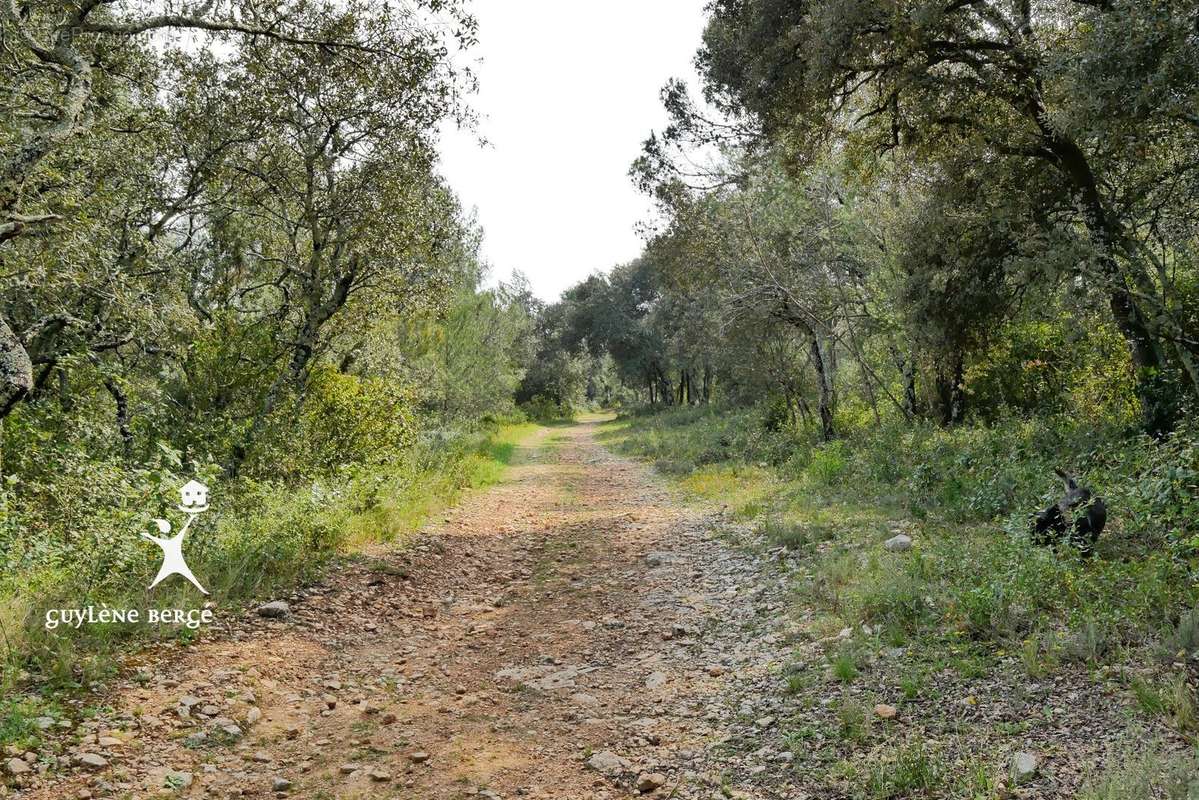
(567, 93)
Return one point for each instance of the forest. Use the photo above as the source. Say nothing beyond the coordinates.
(906, 259)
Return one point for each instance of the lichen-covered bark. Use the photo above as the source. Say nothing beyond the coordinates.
(16, 370)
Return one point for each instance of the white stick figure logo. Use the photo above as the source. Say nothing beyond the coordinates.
(194, 501)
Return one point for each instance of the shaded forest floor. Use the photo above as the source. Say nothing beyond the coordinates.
(577, 631)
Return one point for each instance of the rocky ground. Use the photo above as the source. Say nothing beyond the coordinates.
(571, 633)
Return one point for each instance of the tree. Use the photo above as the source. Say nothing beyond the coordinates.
(70, 63)
(1016, 80)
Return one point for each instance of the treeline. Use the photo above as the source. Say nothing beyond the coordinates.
(226, 253)
(919, 211)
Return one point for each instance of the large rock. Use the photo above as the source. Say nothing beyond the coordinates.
(650, 782)
(898, 543)
(1024, 768)
(609, 764)
(276, 609)
(93, 760)
(16, 766)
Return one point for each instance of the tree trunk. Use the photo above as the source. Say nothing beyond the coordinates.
(827, 431)
(1145, 349)
(16, 370)
(951, 396)
(909, 386)
(122, 401)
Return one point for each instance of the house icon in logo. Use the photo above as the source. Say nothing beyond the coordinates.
(194, 497)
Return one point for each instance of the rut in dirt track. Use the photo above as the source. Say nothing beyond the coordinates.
(573, 632)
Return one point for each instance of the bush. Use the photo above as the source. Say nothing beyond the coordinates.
(547, 410)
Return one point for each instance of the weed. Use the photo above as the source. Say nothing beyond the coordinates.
(843, 664)
(1088, 644)
(1181, 639)
(1132, 773)
(1174, 700)
(910, 686)
(1038, 654)
(854, 721)
(907, 769)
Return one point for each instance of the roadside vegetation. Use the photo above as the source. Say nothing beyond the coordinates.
(228, 255)
(974, 620)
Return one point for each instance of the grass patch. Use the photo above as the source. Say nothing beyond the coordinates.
(1135, 772)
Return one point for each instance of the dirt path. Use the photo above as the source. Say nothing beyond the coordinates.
(570, 633)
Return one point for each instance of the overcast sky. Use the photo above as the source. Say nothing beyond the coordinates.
(567, 93)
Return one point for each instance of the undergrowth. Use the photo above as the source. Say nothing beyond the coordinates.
(973, 595)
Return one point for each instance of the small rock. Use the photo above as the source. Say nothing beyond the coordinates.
(93, 760)
(898, 543)
(253, 715)
(16, 766)
(388, 718)
(655, 680)
(109, 741)
(764, 722)
(380, 775)
(1024, 768)
(657, 558)
(276, 609)
(419, 757)
(650, 782)
(262, 757)
(885, 711)
(609, 764)
(347, 769)
(280, 785)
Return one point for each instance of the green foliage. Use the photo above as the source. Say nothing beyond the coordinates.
(547, 409)
(348, 420)
(973, 575)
